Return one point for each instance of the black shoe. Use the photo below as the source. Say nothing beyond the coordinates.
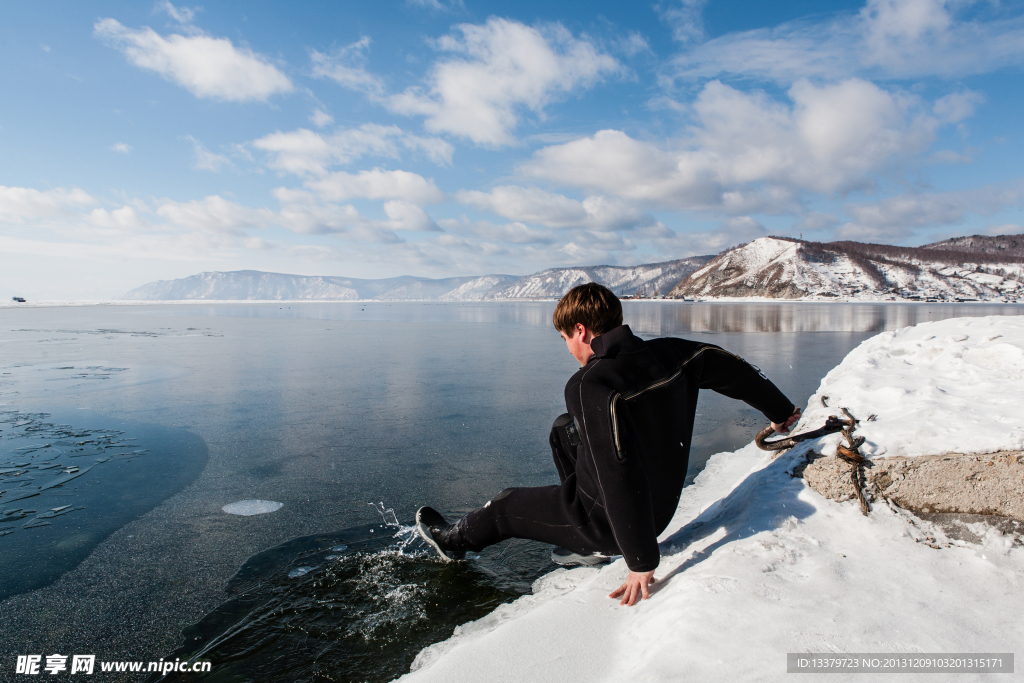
(445, 538)
(568, 558)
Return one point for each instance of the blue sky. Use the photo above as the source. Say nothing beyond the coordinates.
(145, 141)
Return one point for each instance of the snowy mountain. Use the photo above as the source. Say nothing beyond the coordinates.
(648, 280)
(652, 279)
(975, 268)
(784, 268)
(257, 285)
(1006, 245)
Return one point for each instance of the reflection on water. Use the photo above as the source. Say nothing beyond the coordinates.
(656, 318)
(503, 313)
(647, 317)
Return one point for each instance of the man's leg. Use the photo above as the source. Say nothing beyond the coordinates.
(543, 513)
(563, 445)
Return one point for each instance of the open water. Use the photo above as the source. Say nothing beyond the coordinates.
(125, 430)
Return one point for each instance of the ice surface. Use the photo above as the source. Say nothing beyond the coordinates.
(20, 495)
(64, 478)
(247, 508)
(755, 564)
(299, 571)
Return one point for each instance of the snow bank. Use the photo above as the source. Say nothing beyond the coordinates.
(755, 564)
(948, 386)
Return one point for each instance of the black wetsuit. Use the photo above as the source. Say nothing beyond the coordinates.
(622, 450)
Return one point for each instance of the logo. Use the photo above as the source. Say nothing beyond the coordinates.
(32, 665)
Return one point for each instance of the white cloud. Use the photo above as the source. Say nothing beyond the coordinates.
(377, 184)
(685, 18)
(1004, 229)
(182, 15)
(633, 43)
(345, 66)
(816, 220)
(483, 247)
(515, 233)
(896, 217)
(125, 218)
(211, 229)
(303, 215)
(408, 216)
(957, 106)
(215, 214)
(436, 4)
(726, 234)
(207, 67)
(205, 160)
(305, 152)
(553, 210)
(501, 68)
(613, 162)
(528, 205)
(437, 150)
(898, 32)
(886, 39)
(320, 118)
(121, 147)
(747, 153)
(302, 212)
(948, 156)
(18, 204)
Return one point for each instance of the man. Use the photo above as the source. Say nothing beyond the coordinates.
(621, 450)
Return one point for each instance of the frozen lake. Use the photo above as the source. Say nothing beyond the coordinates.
(176, 411)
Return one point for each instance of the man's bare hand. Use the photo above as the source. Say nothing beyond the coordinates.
(635, 587)
(790, 421)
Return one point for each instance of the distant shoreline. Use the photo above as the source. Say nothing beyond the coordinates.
(730, 300)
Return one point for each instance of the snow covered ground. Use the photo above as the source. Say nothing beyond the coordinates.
(756, 564)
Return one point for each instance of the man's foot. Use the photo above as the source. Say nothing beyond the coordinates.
(439, 534)
(568, 558)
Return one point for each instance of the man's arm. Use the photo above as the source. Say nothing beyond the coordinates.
(730, 375)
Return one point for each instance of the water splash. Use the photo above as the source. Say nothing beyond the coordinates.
(406, 535)
(372, 603)
(385, 514)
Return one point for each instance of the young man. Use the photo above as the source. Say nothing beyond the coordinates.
(621, 450)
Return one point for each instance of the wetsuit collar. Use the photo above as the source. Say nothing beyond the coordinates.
(615, 341)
